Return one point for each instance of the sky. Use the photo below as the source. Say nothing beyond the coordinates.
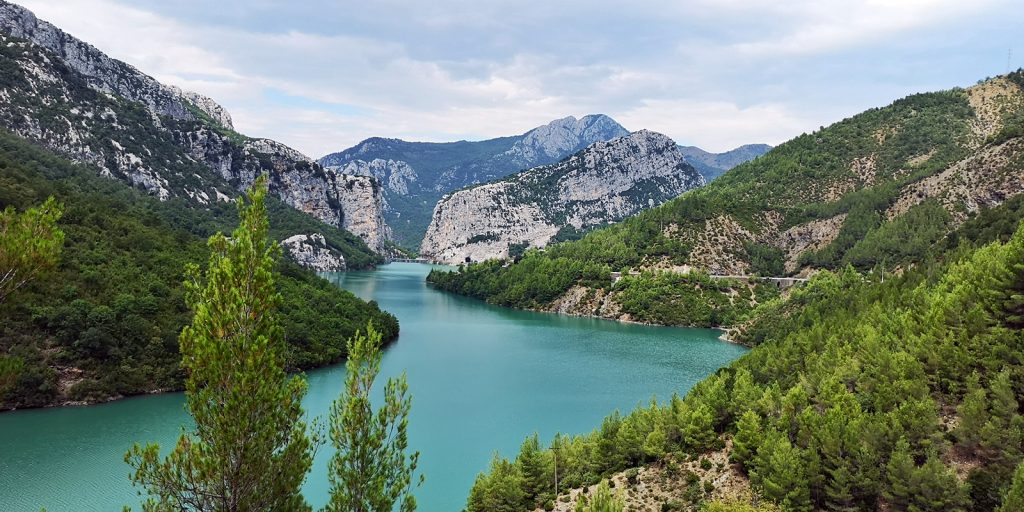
(322, 75)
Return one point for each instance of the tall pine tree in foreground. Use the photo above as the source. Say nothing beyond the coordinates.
(370, 471)
(250, 450)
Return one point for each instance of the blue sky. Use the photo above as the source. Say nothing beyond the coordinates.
(322, 75)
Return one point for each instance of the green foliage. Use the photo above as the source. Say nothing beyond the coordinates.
(30, 244)
(370, 471)
(115, 304)
(857, 168)
(693, 299)
(601, 500)
(838, 405)
(249, 450)
(1014, 499)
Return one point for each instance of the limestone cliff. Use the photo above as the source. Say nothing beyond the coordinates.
(605, 182)
(65, 94)
(415, 175)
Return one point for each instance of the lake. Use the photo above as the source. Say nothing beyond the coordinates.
(482, 379)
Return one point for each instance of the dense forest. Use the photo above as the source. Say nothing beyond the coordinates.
(106, 321)
(864, 392)
(855, 171)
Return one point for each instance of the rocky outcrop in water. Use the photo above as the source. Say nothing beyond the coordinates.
(604, 183)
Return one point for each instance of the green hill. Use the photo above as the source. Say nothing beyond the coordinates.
(863, 393)
(107, 323)
(877, 189)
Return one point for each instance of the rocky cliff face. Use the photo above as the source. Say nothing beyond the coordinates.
(70, 97)
(416, 174)
(605, 182)
(312, 251)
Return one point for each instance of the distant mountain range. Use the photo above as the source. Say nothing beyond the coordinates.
(416, 175)
(713, 165)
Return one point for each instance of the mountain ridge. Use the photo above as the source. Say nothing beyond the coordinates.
(416, 174)
(72, 98)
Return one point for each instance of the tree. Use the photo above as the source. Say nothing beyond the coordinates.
(972, 414)
(603, 500)
(249, 450)
(748, 436)
(30, 243)
(1014, 498)
(370, 472)
(533, 466)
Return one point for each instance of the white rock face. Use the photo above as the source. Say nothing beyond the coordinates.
(362, 207)
(312, 251)
(561, 137)
(605, 182)
(104, 73)
(172, 152)
(396, 175)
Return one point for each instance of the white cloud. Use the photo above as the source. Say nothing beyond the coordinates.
(717, 73)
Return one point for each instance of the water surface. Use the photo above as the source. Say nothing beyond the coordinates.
(482, 379)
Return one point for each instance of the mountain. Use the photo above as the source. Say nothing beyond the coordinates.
(713, 165)
(603, 183)
(874, 392)
(416, 174)
(66, 95)
(874, 190)
(105, 323)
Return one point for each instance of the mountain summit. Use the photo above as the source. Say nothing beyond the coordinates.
(416, 174)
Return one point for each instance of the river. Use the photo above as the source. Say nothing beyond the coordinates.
(482, 379)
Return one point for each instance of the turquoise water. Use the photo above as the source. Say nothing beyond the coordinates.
(482, 379)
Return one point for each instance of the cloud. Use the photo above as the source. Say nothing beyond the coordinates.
(322, 74)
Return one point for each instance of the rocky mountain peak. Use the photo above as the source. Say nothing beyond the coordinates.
(565, 136)
(605, 182)
(106, 74)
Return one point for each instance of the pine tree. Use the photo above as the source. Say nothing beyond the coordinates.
(781, 475)
(900, 474)
(748, 436)
(249, 450)
(602, 500)
(1013, 501)
(972, 414)
(536, 475)
(30, 244)
(370, 472)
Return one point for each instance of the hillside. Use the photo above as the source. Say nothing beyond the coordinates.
(712, 165)
(66, 95)
(106, 323)
(862, 393)
(877, 189)
(416, 174)
(599, 185)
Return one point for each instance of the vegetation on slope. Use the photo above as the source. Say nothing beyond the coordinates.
(896, 395)
(854, 171)
(107, 322)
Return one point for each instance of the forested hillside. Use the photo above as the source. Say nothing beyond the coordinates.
(875, 190)
(874, 392)
(106, 322)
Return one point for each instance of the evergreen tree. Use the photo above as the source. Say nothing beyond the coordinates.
(602, 500)
(972, 414)
(370, 472)
(537, 478)
(748, 436)
(900, 474)
(780, 472)
(935, 488)
(500, 490)
(250, 450)
(30, 244)
(1013, 501)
